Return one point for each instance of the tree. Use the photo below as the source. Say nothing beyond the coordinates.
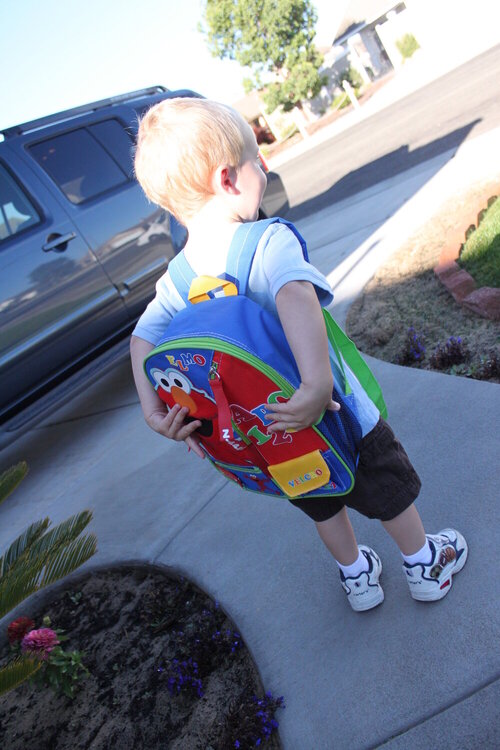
(274, 39)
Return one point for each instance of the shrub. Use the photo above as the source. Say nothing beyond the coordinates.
(407, 45)
(488, 367)
(55, 668)
(340, 101)
(255, 722)
(34, 560)
(183, 675)
(453, 352)
(194, 654)
(413, 348)
(354, 78)
(288, 131)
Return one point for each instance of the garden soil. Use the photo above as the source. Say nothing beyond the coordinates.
(405, 293)
(131, 623)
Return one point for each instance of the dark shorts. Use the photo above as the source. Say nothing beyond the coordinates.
(386, 482)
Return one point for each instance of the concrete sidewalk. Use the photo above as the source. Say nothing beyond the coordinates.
(406, 675)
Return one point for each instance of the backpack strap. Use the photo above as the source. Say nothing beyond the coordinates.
(239, 263)
(240, 256)
(244, 244)
(346, 349)
(181, 275)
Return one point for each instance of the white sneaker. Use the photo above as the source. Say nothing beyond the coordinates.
(364, 591)
(433, 581)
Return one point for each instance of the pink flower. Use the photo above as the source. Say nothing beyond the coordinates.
(18, 629)
(39, 642)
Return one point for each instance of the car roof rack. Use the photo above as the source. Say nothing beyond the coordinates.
(68, 114)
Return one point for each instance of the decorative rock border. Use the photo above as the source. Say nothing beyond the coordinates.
(484, 301)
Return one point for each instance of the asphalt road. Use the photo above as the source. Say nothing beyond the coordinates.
(439, 117)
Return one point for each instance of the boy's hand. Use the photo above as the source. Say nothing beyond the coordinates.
(171, 424)
(302, 410)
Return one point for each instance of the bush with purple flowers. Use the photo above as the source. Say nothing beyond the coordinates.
(255, 722)
(198, 653)
(453, 352)
(183, 675)
(207, 644)
(413, 348)
(197, 647)
(488, 367)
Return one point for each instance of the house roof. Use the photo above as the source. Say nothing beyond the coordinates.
(362, 12)
(250, 106)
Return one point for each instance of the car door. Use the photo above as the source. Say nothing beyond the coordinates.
(92, 166)
(56, 302)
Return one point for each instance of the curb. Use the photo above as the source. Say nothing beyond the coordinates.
(484, 301)
(395, 88)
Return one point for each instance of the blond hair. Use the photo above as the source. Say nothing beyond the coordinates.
(181, 142)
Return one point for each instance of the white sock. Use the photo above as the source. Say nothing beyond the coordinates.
(423, 555)
(357, 567)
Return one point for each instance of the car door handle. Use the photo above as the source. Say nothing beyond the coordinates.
(56, 242)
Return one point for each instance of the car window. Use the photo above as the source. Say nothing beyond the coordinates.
(17, 213)
(78, 164)
(116, 141)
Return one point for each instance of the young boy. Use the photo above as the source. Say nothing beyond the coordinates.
(199, 160)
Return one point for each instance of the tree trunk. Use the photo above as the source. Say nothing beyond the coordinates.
(300, 119)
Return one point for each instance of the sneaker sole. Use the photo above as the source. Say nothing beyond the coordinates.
(431, 596)
(370, 604)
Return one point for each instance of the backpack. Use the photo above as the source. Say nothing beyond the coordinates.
(227, 359)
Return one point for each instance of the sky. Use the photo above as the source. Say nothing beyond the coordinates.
(57, 54)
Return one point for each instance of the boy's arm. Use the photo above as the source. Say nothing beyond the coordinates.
(302, 320)
(168, 423)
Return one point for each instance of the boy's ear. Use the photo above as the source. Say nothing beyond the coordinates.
(224, 180)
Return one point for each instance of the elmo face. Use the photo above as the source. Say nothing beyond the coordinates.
(174, 387)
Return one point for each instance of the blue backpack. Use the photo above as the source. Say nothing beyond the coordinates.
(227, 359)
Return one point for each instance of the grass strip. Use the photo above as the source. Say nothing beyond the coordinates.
(481, 253)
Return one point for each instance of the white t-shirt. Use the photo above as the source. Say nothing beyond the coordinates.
(278, 259)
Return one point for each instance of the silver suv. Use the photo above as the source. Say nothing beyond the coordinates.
(80, 248)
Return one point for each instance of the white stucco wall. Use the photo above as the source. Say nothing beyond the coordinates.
(450, 26)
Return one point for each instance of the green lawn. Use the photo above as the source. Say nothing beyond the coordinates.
(481, 253)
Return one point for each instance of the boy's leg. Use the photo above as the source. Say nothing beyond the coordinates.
(430, 561)
(338, 537)
(360, 567)
(407, 531)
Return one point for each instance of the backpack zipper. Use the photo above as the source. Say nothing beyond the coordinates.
(223, 410)
(251, 359)
(227, 348)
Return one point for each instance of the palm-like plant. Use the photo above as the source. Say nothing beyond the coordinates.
(34, 560)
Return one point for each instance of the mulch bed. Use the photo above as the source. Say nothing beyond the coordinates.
(131, 623)
(405, 315)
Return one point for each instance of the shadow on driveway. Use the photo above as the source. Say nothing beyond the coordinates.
(383, 168)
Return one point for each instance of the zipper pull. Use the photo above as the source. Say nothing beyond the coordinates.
(223, 410)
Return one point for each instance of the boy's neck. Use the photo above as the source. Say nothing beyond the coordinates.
(212, 221)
